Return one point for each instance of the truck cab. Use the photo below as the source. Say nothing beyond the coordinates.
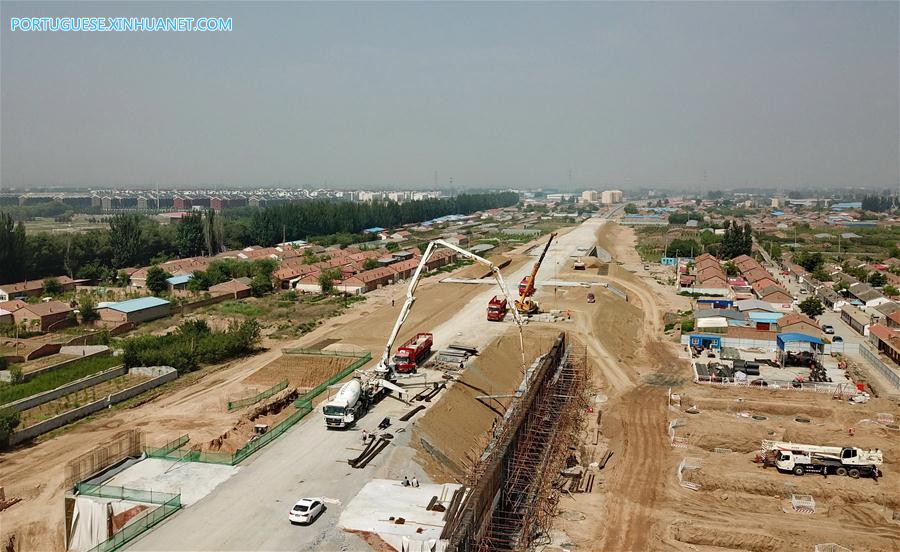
(496, 309)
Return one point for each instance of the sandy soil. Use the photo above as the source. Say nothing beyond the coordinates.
(197, 406)
(459, 425)
(301, 371)
(638, 504)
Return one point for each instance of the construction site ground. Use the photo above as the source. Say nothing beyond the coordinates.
(637, 503)
(197, 404)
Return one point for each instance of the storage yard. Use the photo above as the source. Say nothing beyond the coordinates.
(623, 447)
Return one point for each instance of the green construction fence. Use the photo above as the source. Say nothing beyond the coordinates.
(173, 450)
(139, 524)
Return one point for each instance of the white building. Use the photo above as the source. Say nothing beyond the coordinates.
(608, 197)
(589, 196)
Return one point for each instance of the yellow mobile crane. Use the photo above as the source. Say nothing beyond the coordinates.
(525, 304)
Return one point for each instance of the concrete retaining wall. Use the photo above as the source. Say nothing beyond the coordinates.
(82, 411)
(53, 394)
(5, 376)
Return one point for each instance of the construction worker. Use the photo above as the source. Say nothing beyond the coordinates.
(414, 482)
(365, 436)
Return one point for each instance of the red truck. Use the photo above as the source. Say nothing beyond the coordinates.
(496, 309)
(523, 285)
(411, 353)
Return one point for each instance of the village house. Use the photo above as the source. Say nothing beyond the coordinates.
(45, 316)
(135, 311)
(238, 288)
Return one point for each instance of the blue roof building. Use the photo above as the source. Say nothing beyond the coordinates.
(136, 310)
(179, 281)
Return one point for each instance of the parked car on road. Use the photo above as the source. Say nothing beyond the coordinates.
(828, 328)
(305, 511)
(837, 339)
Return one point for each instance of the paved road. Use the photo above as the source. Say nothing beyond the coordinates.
(249, 511)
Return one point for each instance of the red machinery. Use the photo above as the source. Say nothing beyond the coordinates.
(496, 309)
(524, 289)
(411, 353)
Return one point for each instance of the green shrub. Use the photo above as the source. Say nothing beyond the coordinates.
(191, 344)
(9, 420)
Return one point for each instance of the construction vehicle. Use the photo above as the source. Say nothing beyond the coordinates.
(385, 368)
(525, 304)
(412, 353)
(578, 264)
(523, 287)
(496, 309)
(798, 459)
(358, 395)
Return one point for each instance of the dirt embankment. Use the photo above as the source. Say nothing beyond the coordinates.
(457, 429)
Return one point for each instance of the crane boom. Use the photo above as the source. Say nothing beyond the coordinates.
(384, 365)
(523, 303)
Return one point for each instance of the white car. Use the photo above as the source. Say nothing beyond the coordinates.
(305, 511)
(828, 328)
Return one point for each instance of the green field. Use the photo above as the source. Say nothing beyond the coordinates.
(14, 391)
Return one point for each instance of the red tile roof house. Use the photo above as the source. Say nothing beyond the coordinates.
(799, 323)
(776, 295)
(762, 284)
(440, 258)
(309, 283)
(376, 278)
(33, 288)
(237, 288)
(405, 269)
(756, 275)
(48, 316)
(886, 340)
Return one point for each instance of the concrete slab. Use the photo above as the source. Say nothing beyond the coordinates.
(381, 499)
(193, 480)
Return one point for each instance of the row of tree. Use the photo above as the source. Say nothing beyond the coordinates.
(135, 240)
(293, 221)
(877, 203)
(192, 344)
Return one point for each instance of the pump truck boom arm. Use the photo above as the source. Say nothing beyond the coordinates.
(384, 365)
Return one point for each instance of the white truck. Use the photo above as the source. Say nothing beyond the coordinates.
(798, 459)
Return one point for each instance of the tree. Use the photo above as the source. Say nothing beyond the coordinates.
(631, 209)
(809, 261)
(52, 286)
(369, 264)
(731, 269)
(891, 291)
(821, 274)
(125, 239)
(9, 420)
(12, 249)
(213, 232)
(87, 308)
(392, 246)
(327, 278)
(812, 307)
(190, 235)
(260, 284)
(156, 280)
(877, 279)
(683, 248)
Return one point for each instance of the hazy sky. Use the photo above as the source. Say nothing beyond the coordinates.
(490, 94)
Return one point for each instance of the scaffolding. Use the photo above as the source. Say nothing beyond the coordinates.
(513, 498)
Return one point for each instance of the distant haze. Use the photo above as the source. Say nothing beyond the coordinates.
(791, 94)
